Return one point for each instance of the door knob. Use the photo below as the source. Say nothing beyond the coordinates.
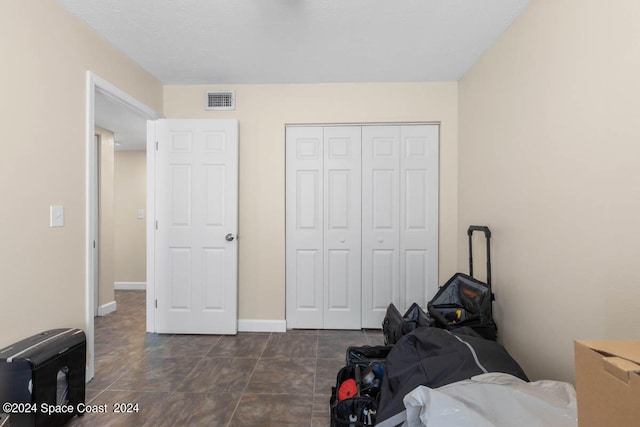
(380, 239)
(228, 237)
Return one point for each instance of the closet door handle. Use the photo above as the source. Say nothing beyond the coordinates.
(380, 239)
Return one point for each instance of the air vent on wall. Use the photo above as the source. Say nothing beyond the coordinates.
(220, 100)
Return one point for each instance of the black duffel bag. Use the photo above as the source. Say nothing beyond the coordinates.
(395, 326)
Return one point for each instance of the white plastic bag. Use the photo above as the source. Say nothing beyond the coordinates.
(493, 400)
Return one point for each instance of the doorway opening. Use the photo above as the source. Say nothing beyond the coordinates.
(103, 99)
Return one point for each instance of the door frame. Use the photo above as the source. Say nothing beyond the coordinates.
(95, 205)
(95, 83)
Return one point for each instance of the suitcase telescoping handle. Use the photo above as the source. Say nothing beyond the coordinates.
(487, 235)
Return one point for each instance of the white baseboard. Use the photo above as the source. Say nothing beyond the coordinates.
(130, 286)
(107, 308)
(257, 325)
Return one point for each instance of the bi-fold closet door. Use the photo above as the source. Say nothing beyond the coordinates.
(323, 211)
(361, 222)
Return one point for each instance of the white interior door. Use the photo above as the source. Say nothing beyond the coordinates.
(342, 229)
(196, 249)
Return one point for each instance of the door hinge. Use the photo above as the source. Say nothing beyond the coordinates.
(94, 244)
(156, 145)
(156, 224)
(156, 303)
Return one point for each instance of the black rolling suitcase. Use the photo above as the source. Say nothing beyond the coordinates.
(465, 301)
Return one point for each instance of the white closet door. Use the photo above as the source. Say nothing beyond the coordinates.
(380, 222)
(362, 223)
(418, 214)
(342, 229)
(304, 227)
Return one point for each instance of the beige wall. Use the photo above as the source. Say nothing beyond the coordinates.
(549, 151)
(263, 111)
(130, 194)
(106, 217)
(45, 55)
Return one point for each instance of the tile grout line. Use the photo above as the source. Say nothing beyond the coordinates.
(315, 368)
(315, 377)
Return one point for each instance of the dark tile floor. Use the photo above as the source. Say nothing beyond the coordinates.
(251, 379)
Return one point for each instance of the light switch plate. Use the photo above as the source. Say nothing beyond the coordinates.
(140, 214)
(56, 216)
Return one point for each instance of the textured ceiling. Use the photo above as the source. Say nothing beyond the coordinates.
(300, 41)
(290, 41)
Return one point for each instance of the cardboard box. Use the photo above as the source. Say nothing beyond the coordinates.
(608, 383)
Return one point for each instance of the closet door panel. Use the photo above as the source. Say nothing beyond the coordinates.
(342, 230)
(308, 265)
(418, 214)
(339, 198)
(304, 227)
(380, 222)
(383, 271)
(415, 277)
(338, 279)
